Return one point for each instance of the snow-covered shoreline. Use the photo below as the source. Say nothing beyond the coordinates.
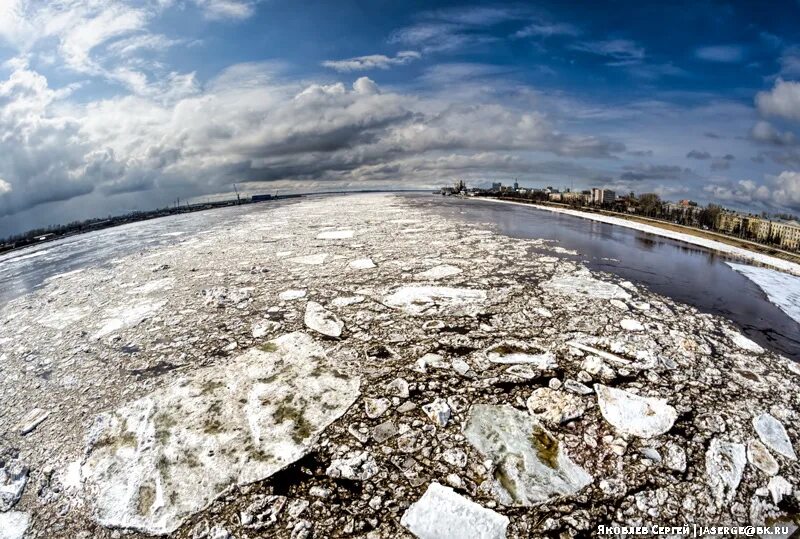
(738, 252)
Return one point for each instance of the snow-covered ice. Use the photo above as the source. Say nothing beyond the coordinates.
(781, 288)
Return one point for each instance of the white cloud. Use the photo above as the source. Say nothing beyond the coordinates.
(5, 187)
(373, 61)
(134, 44)
(547, 29)
(783, 101)
(620, 50)
(226, 9)
(251, 125)
(781, 191)
(764, 132)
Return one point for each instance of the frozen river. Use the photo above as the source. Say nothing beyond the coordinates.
(686, 273)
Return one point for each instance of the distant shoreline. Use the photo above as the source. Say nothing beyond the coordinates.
(741, 249)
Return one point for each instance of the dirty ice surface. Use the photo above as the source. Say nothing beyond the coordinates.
(247, 381)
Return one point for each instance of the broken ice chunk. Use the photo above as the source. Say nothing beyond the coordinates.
(289, 295)
(724, 466)
(362, 264)
(438, 411)
(154, 462)
(14, 524)
(774, 436)
(432, 300)
(441, 513)
(322, 320)
(32, 420)
(644, 417)
(531, 466)
(439, 272)
(760, 457)
(520, 353)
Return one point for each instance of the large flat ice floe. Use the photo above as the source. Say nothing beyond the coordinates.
(156, 461)
(441, 513)
(530, 464)
(432, 300)
(781, 288)
(583, 284)
(644, 417)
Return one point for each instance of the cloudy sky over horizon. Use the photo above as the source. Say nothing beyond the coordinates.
(114, 105)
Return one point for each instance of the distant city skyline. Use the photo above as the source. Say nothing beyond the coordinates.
(117, 105)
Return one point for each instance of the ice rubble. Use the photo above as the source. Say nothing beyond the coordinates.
(425, 356)
(531, 465)
(441, 513)
(156, 461)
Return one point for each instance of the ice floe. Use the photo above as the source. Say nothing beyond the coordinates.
(14, 524)
(322, 320)
(773, 434)
(13, 478)
(517, 353)
(289, 295)
(644, 417)
(782, 289)
(531, 465)
(154, 462)
(725, 463)
(582, 284)
(442, 514)
(432, 300)
(439, 272)
(362, 264)
(125, 317)
(310, 260)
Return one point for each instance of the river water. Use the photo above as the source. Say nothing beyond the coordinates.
(684, 272)
(681, 271)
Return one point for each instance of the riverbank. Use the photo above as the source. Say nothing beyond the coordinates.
(373, 369)
(741, 249)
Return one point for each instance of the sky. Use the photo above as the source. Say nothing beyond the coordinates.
(119, 105)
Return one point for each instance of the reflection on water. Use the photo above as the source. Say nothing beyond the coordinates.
(684, 272)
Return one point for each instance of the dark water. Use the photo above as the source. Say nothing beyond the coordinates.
(681, 271)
